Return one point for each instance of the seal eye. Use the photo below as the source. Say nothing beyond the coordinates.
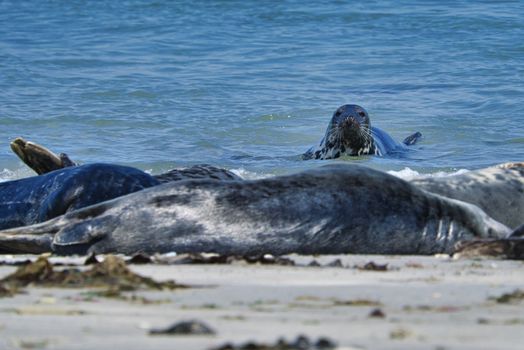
(362, 114)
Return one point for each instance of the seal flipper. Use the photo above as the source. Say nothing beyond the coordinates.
(71, 238)
(72, 233)
(35, 156)
(81, 233)
(25, 244)
(39, 158)
(412, 139)
(77, 239)
(308, 155)
(33, 239)
(66, 161)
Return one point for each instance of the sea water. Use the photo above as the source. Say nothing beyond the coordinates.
(250, 85)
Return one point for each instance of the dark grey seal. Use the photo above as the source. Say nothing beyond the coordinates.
(350, 133)
(39, 198)
(330, 210)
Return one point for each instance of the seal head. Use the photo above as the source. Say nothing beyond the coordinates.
(350, 132)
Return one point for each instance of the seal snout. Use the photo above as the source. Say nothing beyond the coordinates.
(350, 122)
(350, 127)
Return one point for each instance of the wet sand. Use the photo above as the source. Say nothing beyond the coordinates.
(406, 302)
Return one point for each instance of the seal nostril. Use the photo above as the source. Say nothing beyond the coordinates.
(350, 123)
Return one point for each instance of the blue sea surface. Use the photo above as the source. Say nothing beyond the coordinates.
(250, 85)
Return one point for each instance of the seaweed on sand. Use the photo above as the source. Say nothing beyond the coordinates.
(111, 273)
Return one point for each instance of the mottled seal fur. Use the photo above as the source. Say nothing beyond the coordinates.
(498, 190)
(349, 132)
(201, 171)
(329, 210)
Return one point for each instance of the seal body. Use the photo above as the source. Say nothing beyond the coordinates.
(498, 190)
(349, 132)
(329, 210)
(39, 198)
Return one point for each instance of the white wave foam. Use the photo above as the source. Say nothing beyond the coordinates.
(8, 174)
(406, 174)
(248, 175)
(410, 174)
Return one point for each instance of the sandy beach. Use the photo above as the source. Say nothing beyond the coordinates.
(358, 302)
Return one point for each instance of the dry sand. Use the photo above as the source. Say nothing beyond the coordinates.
(426, 303)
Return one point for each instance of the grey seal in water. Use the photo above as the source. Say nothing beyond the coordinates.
(329, 210)
(498, 190)
(350, 133)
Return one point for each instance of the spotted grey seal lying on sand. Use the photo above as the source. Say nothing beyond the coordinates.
(498, 190)
(350, 133)
(332, 209)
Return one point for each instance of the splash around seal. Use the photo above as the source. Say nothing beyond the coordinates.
(349, 132)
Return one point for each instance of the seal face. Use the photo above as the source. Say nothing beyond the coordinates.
(350, 133)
